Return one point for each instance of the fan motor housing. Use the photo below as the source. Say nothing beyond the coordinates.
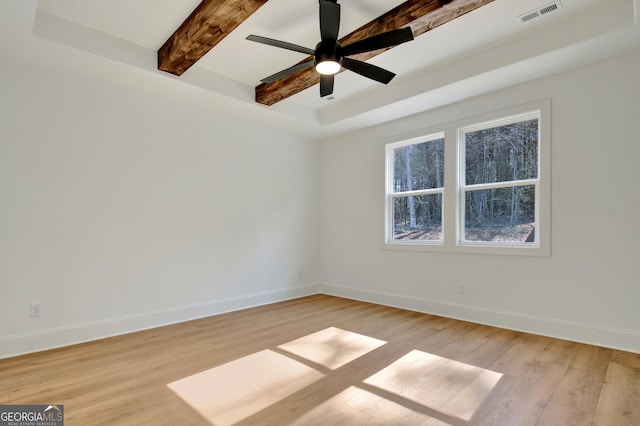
(327, 52)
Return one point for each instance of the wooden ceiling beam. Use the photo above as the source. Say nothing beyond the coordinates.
(421, 15)
(207, 25)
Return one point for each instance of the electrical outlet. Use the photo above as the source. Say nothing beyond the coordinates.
(35, 310)
(461, 288)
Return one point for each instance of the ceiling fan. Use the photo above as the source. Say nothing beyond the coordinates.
(329, 56)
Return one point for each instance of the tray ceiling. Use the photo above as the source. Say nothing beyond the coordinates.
(446, 64)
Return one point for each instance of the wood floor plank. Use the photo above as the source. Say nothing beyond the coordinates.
(620, 397)
(371, 364)
(521, 355)
(555, 414)
(527, 399)
(489, 345)
(560, 352)
(494, 398)
(592, 358)
(579, 389)
(626, 358)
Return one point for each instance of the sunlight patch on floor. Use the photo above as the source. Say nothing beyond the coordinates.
(418, 388)
(332, 347)
(355, 406)
(447, 386)
(238, 389)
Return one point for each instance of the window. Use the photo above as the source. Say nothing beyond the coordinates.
(499, 175)
(416, 189)
(476, 185)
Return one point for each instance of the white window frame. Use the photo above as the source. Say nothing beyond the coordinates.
(391, 194)
(455, 187)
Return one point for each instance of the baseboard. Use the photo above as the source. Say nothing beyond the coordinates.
(578, 332)
(80, 333)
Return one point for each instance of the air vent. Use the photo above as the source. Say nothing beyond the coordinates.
(540, 11)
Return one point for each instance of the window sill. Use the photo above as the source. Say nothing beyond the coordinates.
(440, 247)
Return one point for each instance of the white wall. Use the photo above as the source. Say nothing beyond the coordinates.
(126, 206)
(588, 290)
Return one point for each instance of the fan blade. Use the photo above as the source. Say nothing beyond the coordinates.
(329, 21)
(280, 44)
(326, 85)
(379, 41)
(286, 72)
(367, 70)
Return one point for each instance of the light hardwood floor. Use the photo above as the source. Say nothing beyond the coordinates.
(323, 360)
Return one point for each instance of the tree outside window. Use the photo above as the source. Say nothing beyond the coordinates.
(500, 165)
(418, 181)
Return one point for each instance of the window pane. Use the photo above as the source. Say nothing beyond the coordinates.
(503, 153)
(500, 215)
(417, 217)
(418, 166)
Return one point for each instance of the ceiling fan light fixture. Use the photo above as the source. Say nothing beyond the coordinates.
(328, 67)
(329, 57)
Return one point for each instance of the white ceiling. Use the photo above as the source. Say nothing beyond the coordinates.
(484, 50)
